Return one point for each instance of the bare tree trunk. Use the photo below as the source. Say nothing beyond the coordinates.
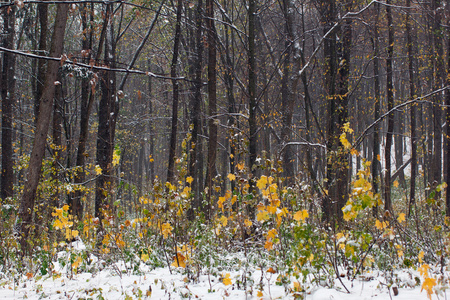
(212, 97)
(287, 101)
(175, 87)
(390, 105)
(412, 95)
(106, 119)
(251, 56)
(7, 96)
(447, 102)
(376, 129)
(87, 100)
(438, 57)
(42, 125)
(196, 67)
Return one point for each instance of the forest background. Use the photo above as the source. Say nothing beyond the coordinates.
(313, 130)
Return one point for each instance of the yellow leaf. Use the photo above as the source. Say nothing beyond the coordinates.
(223, 220)
(423, 270)
(420, 256)
(272, 233)
(75, 233)
(166, 230)
(189, 179)
(347, 128)
(378, 157)
(77, 262)
(248, 223)
(262, 216)
(428, 285)
(240, 166)
(180, 261)
(57, 224)
(401, 217)
(29, 275)
(268, 245)
(65, 207)
(262, 182)
(259, 294)
(301, 215)
(98, 170)
(144, 257)
(395, 184)
(231, 177)
(226, 279)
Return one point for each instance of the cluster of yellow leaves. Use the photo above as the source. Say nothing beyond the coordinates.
(301, 216)
(222, 200)
(271, 239)
(182, 256)
(429, 282)
(361, 196)
(166, 230)
(116, 157)
(226, 280)
(77, 262)
(63, 222)
(343, 137)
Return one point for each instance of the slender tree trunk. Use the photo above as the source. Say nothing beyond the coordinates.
(212, 97)
(87, 100)
(42, 125)
(438, 57)
(447, 103)
(412, 95)
(175, 87)
(376, 130)
(252, 148)
(390, 105)
(42, 11)
(287, 97)
(337, 65)
(196, 98)
(7, 96)
(106, 121)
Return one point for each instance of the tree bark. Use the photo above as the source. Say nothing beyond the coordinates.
(376, 130)
(212, 97)
(390, 105)
(7, 96)
(251, 65)
(175, 95)
(45, 110)
(106, 119)
(412, 95)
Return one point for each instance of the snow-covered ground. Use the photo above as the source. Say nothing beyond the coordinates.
(161, 284)
(116, 281)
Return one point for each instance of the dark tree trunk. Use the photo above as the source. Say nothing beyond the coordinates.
(42, 125)
(176, 95)
(196, 98)
(447, 102)
(87, 100)
(42, 11)
(390, 105)
(412, 95)
(212, 97)
(438, 57)
(252, 148)
(106, 121)
(337, 68)
(7, 96)
(287, 97)
(376, 115)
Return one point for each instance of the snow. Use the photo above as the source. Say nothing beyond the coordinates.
(113, 282)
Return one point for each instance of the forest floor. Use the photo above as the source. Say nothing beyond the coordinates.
(116, 281)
